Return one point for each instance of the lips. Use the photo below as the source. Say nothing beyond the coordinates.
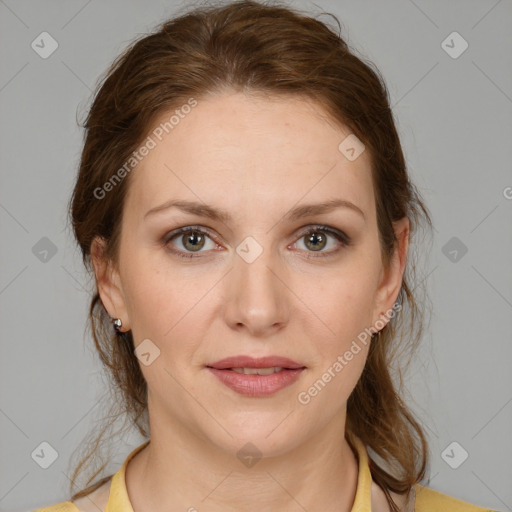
(256, 362)
(233, 373)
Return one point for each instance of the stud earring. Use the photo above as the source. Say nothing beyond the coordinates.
(117, 324)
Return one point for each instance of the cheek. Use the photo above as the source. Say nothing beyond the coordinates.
(165, 303)
(157, 294)
(344, 303)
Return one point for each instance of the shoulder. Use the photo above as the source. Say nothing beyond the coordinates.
(95, 501)
(428, 500)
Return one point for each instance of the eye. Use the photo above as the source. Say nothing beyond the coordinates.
(192, 239)
(316, 238)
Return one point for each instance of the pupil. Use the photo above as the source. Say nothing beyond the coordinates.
(193, 240)
(314, 238)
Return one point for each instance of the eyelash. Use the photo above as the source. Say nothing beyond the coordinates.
(342, 238)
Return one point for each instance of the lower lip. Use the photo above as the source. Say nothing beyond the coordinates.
(257, 385)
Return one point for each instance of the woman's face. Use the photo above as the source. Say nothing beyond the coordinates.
(252, 283)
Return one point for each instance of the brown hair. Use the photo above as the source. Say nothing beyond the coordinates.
(271, 49)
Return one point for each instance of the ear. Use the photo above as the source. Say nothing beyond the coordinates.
(108, 282)
(391, 278)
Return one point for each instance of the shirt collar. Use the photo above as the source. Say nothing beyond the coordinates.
(119, 501)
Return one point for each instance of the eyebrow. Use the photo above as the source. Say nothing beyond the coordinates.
(205, 210)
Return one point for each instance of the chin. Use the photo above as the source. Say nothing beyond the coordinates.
(268, 436)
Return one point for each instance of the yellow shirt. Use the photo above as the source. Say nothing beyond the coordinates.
(427, 500)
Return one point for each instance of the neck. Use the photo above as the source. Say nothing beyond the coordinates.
(178, 470)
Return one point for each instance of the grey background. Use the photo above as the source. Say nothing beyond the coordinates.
(454, 117)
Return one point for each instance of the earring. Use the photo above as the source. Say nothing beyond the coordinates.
(117, 324)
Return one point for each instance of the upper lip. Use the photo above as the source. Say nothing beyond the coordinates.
(255, 362)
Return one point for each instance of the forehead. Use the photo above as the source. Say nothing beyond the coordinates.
(234, 148)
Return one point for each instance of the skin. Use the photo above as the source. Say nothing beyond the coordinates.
(256, 157)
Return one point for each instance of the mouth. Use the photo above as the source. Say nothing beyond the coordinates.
(236, 363)
(258, 371)
(256, 377)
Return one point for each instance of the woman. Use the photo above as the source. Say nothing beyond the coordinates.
(244, 204)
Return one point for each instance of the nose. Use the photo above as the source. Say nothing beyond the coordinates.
(257, 298)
